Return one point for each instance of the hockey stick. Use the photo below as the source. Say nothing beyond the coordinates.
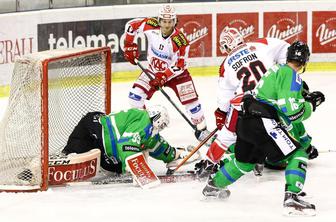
(185, 177)
(327, 151)
(192, 152)
(166, 95)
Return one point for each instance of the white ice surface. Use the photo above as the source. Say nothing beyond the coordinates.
(251, 199)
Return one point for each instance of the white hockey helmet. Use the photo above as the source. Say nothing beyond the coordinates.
(229, 39)
(167, 12)
(159, 116)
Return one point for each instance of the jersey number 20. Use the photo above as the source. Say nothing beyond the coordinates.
(254, 69)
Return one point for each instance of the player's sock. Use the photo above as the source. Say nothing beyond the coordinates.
(230, 172)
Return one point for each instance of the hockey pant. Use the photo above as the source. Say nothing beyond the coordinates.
(258, 138)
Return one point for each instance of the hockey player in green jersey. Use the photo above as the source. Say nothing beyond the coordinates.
(270, 126)
(123, 134)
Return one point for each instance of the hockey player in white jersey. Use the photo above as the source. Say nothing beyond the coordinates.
(167, 57)
(240, 71)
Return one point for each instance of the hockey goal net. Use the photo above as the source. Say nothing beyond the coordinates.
(50, 91)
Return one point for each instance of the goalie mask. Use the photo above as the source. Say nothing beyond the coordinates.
(159, 117)
(229, 39)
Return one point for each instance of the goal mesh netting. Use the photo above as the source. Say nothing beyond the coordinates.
(50, 92)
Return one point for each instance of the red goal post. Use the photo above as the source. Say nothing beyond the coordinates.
(50, 92)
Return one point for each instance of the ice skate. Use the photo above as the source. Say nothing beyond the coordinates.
(211, 192)
(202, 134)
(295, 206)
(258, 170)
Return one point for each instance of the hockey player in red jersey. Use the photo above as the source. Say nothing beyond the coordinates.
(242, 68)
(167, 57)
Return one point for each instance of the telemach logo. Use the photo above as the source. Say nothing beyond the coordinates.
(78, 41)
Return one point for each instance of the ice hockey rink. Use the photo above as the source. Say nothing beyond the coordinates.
(251, 199)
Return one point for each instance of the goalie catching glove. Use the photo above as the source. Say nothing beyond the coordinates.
(180, 154)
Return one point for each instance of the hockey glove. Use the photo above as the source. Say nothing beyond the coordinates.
(315, 98)
(312, 152)
(305, 90)
(131, 52)
(220, 118)
(204, 168)
(159, 80)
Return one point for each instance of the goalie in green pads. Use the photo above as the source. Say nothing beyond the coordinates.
(123, 134)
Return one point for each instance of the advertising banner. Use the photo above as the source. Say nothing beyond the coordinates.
(288, 26)
(246, 23)
(324, 32)
(88, 34)
(198, 30)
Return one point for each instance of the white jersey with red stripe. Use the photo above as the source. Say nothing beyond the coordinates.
(168, 54)
(245, 65)
(240, 72)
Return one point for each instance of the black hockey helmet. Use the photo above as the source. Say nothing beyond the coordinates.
(298, 51)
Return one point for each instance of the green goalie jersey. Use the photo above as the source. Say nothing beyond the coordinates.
(282, 88)
(129, 132)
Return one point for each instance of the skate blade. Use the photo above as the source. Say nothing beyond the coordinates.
(212, 199)
(216, 198)
(292, 212)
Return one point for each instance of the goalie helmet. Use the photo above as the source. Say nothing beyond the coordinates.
(229, 39)
(167, 12)
(159, 116)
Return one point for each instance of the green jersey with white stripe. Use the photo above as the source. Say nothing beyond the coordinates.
(128, 132)
(282, 88)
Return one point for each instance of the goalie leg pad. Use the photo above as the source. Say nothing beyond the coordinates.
(73, 167)
(141, 172)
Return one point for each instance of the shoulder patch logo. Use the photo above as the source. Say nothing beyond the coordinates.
(180, 40)
(153, 22)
